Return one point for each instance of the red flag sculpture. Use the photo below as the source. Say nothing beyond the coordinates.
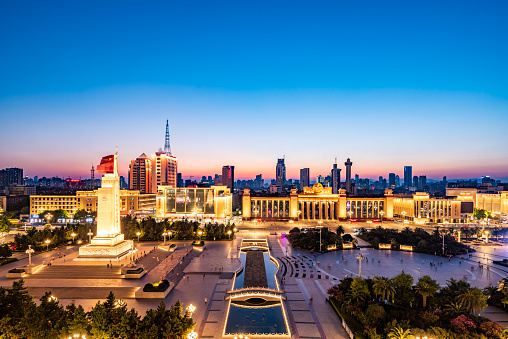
(107, 164)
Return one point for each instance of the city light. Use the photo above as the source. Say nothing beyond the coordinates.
(192, 335)
(47, 241)
(191, 308)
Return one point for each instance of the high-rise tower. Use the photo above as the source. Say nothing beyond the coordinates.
(335, 178)
(92, 178)
(167, 146)
(164, 165)
(304, 178)
(408, 176)
(280, 173)
(228, 177)
(140, 174)
(348, 165)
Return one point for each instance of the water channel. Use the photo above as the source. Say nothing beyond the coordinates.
(256, 309)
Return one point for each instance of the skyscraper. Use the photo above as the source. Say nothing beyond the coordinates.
(408, 176)
(422, 182)
(140, 174)
(228, 177)
(348, 164)
(415, 181)
(11, 176)
(391, 179)
(335, 179)
(164, 165)
(280, 173)
(304, 178)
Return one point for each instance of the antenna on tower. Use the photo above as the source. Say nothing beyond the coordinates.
(335, 160)
(167, 147)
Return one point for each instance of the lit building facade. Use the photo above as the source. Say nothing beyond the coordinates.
(164, 169)
(140, 174)
(317, 203)
(420, 208)
(496, 203)
(211, 203)
(228, 177)
(132, 202)
(280, 173)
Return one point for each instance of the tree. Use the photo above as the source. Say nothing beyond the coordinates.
(426, 287)
(5, 224)
(480, 213)
(80, 214)
(5, 251)
(383, 287)
(400, 333)
(359, 290)
(473, 300)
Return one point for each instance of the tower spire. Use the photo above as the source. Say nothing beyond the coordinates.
(167, 147)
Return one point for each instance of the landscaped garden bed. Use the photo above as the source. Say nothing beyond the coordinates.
(417, 240)
(15, 273)
(155, 291)
(134, 273)
(198, 245)
(395, 308)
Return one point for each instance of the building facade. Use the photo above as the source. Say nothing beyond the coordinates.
(131, 202)
(304, 178)
(164, 169)
(208, 203)
(140, 174)
(420, 208)
(408, 176)
(11, 176)
(280, 173)
(317, 203)
(228, 177)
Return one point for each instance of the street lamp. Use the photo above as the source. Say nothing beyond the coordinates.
(192, 335)
(138, 234)
(191, 308)
(168, 233)
(229, 234)
(320, 222)
(90, 233)
(132, 254)
(78, 336)
(382, 213)
(404, 215)
(47, 241)
(52, 298)
(360, 258)
(73, 235)
(30, 250)
(200, 232)
(486, 237)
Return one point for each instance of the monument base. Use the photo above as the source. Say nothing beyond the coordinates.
(109, 248)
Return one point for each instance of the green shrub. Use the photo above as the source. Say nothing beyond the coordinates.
(157, 287)
(172, 245)
(198, 243)
(136, 271)
(17, 270)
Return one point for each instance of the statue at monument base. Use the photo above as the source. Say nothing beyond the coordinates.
(109, 243)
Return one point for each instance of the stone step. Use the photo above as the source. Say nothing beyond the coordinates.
(76, 272)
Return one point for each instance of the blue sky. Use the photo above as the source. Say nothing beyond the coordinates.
(387, 84)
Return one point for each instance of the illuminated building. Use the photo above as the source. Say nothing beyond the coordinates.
(140, 174)
(391, 180)
(210, 203)
(228, 177)
(421, 208)
(496, 203)
(317, 203)
(130, 202)
(164, 167)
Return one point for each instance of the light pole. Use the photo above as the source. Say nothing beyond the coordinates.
(30, 250)
(299, 212)
(191, 308)
(138, 234)
(73, 235)
(192, 335)
(360, 258)
(320, 222)
(90, 233)
(47, 241)
(404, 216)
(443, 241)
(229, 234)
(168, 233)
(200, 232)
(382, 213)
(486, 237)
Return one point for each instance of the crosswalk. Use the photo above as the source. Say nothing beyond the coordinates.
(302, 266)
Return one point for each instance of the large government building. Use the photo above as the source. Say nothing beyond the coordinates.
(319, 203)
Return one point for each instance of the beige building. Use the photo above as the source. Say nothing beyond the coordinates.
(496, 203)
(130, 202)
(214, 202)
(140, 174)
(420, 208)
(164, 168)
(317, 203)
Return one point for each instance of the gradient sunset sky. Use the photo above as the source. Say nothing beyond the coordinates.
(385, 83)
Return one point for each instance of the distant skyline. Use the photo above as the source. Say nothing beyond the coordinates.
(386, 84)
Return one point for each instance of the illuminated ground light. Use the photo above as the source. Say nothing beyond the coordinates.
(241, 337)
(191, 308)
(192, 335)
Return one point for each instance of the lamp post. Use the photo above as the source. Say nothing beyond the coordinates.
(132, 254)
(73, 235)
(138, 234)
(47, 241)
(167, 233)
(320, 222)
(487, 237)
(30, 250)
(299, 212)
(360, 258)
(229, 234)
(381, 213)
(404, 216)
(191, 308)
(200, 232)
(90, 233)
(192, 335)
